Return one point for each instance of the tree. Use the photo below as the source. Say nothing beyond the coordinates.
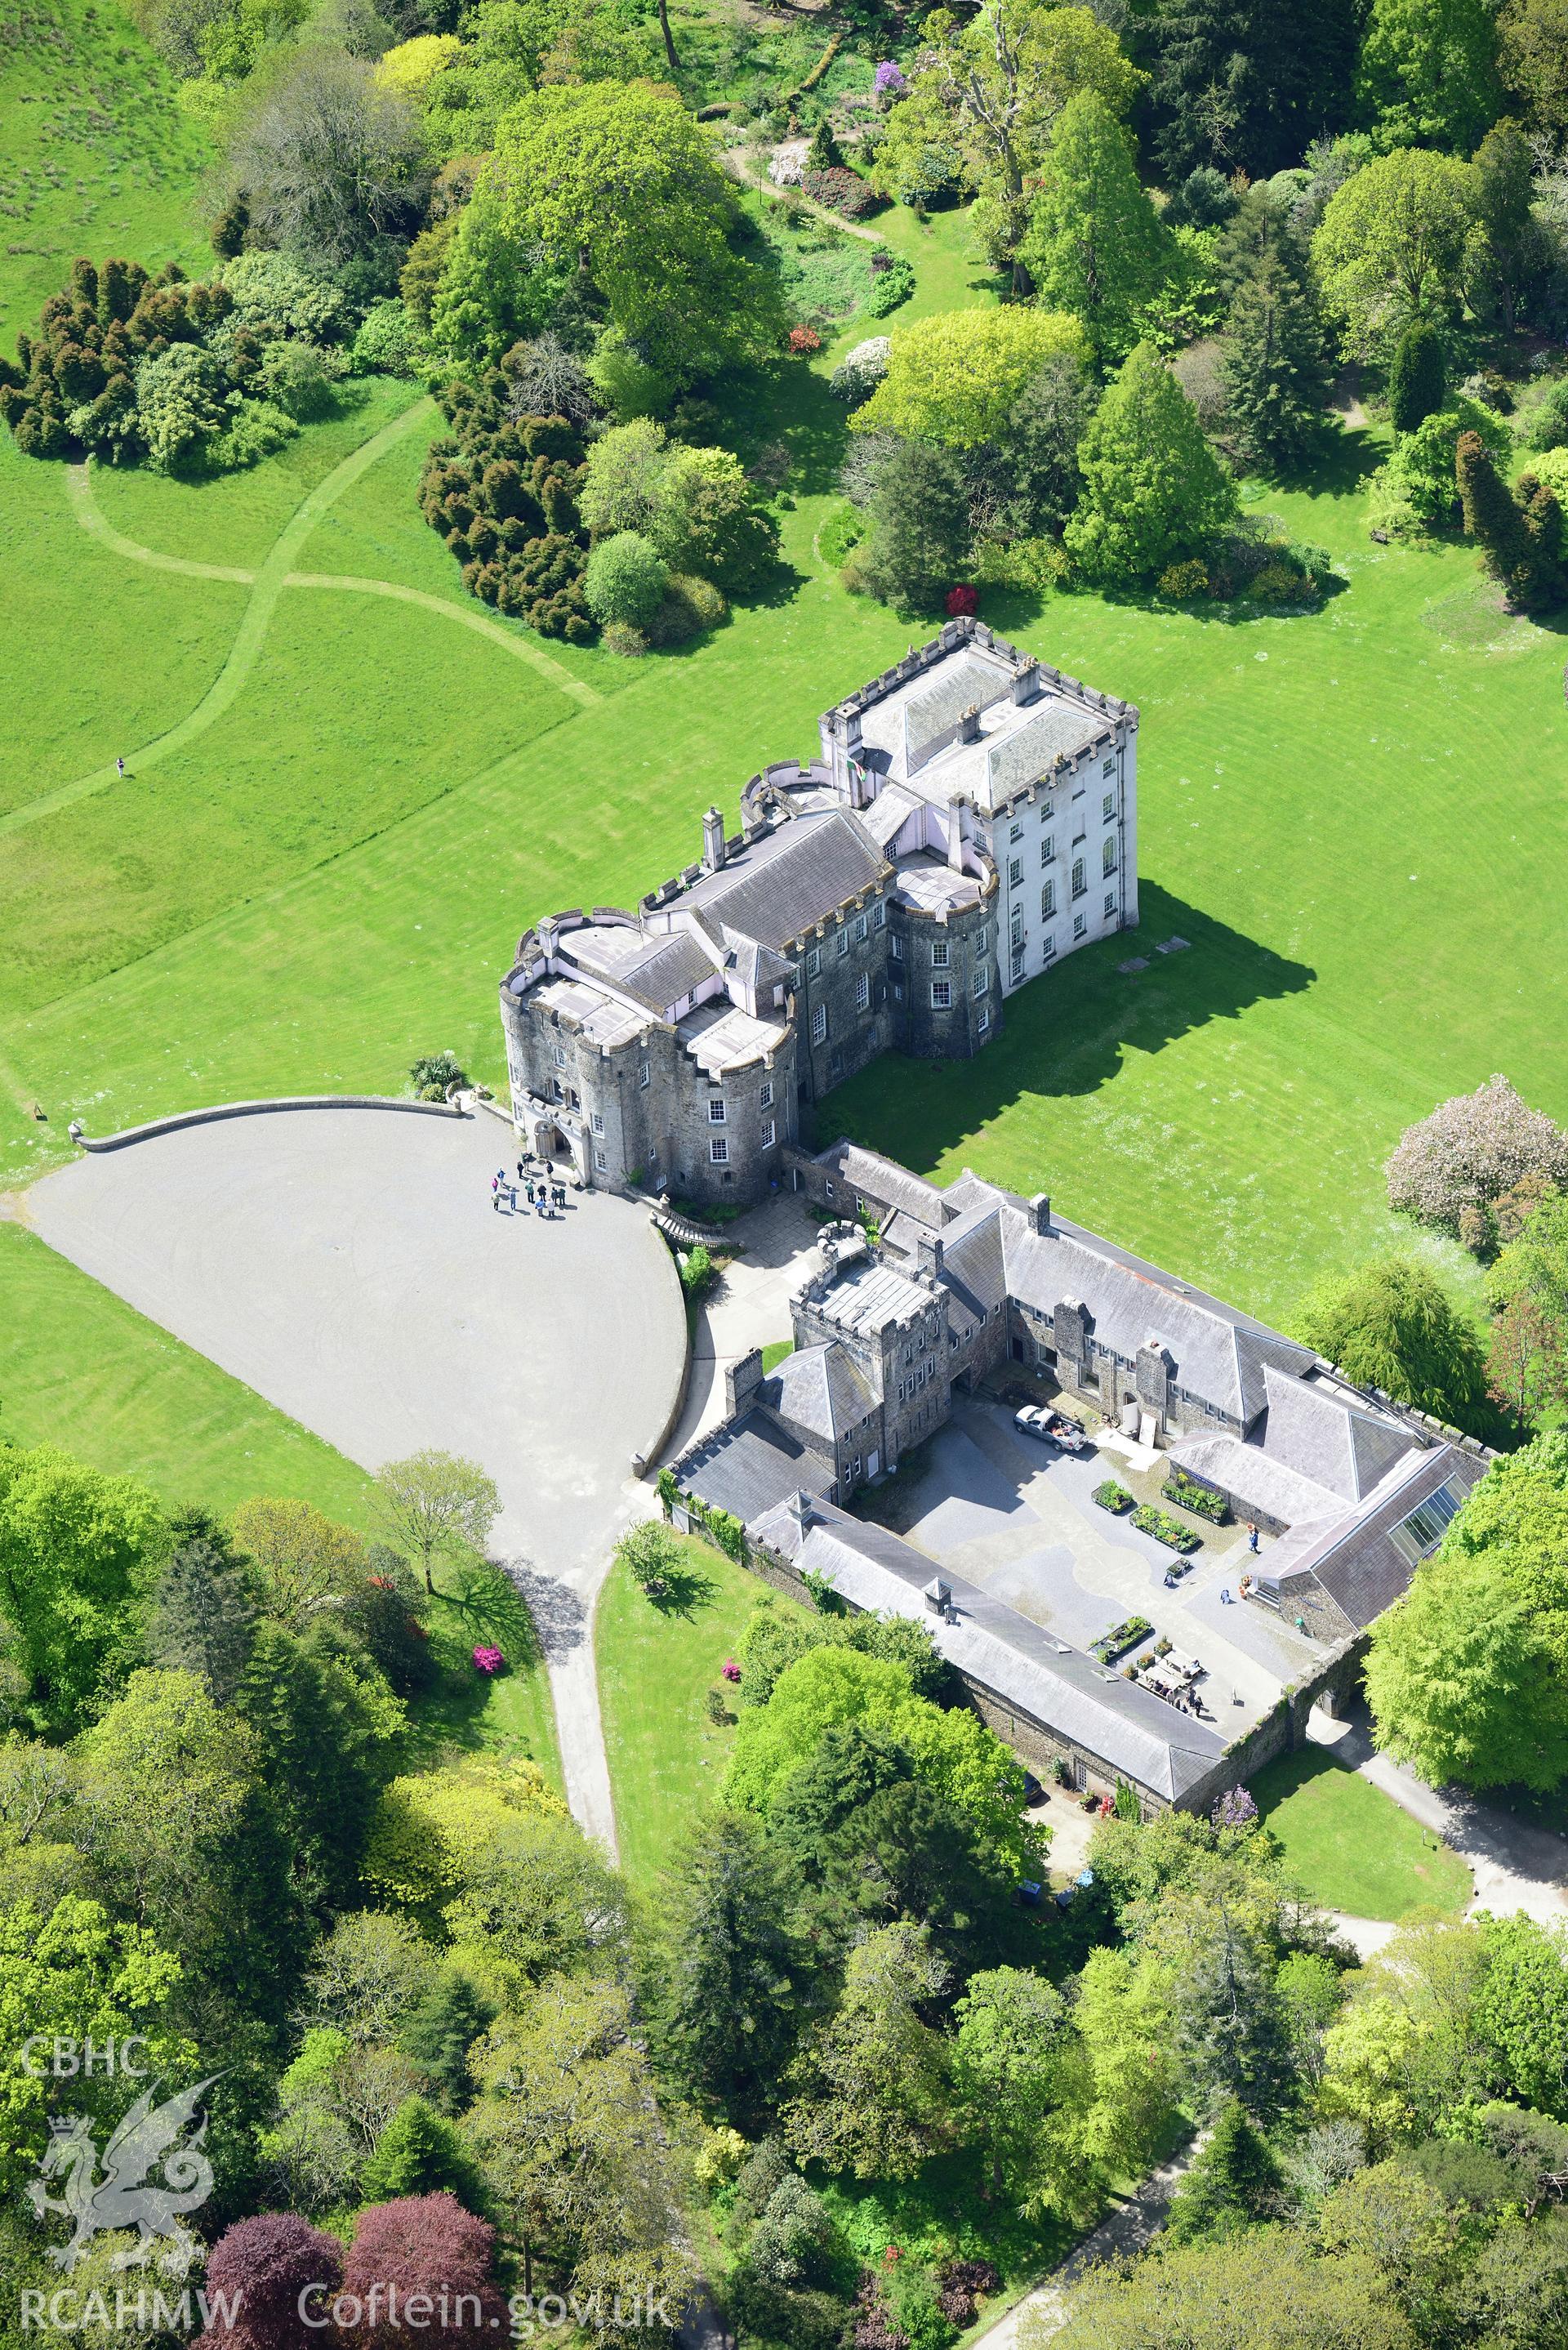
(920, 535)
(992, 89)
(1534, 60)
(1491, 516)
(951, 1751)
(954, 378)
(873, 2079)
(1154, 491)
(1392, 1325)
(328, 159)
(1521, 2008)
(1417, 491)
(1390, 246)
(423, 2244)
(1418, 376)
(626, 580)
(1094, 246)
(420, 2153)
(616, 180)
(1243, 86)
(1472, 1149)
(1527, 1361)
(1276, 370)
(623, 477)
(440, 2033)
(1466, 1676)
(1006, 2068)
(1267, 2287)
(1428, 71)
(259, 2268)
(1026, 480)
(906, 1852)
(437, 1505)
(575, 2149)
(732, 2003)
(1508, 249)
(204, 1612)
(1234, 2179)
(75, 1975)
(326, 1737)
(369, 1973)
(77, 1552)
(302, 1561)
(179, 1834)
(710, 521)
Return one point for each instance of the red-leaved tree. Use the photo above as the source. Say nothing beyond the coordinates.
(422, 2245)
(255, 2275)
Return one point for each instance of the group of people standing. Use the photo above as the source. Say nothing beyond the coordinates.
(542, 1193)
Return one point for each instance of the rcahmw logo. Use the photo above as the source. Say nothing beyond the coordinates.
(123, 2192)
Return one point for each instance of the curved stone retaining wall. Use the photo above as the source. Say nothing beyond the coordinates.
(256, 1109)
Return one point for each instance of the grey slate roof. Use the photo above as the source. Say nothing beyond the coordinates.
(1354, 1563)
(1060, 728)
(818, 1388)
(961, 683)
(1220, 1353)
(777, 884)
(751, 1465)
(1255, 1480)
(884, 1181)
(1135, 1734)
(1329, 1438)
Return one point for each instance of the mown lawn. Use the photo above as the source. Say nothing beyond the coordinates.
(1350, 1845)
(656, 1665)
(97, 157)
(506, 1713)
(1352, 818)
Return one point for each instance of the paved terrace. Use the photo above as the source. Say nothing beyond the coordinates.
(1017, 1518)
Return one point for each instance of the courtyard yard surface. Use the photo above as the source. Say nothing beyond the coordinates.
(1017, 1517)
(349, 1267)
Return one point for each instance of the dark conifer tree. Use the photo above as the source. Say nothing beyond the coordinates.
(1417, 377)
(1276, 364)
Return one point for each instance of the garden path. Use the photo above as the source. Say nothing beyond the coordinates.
(266, 585)
(1132, 2224)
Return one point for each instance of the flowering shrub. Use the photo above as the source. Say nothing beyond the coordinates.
(1469, 1151)
(962, 603)
(859, 372)
(730, 1670)
(840, 189)
(1235, 1809)
(804, 339)
(489, 1660)
(890, 80)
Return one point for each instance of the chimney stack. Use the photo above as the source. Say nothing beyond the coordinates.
(928, 1255)
(712, 840)
(955, 836)
(1040, 1211)
(1026, 684)
(968, 724)
(741, 1380)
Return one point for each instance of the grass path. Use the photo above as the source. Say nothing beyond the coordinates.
(267, 584)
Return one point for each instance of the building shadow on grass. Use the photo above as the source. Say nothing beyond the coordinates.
(1067, 1033)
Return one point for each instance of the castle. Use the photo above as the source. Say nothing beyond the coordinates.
(973, 818)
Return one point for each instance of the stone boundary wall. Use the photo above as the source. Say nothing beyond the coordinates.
(172, 1125)
(1283, 1728)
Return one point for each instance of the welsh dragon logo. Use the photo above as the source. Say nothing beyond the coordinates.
(148, 2139)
